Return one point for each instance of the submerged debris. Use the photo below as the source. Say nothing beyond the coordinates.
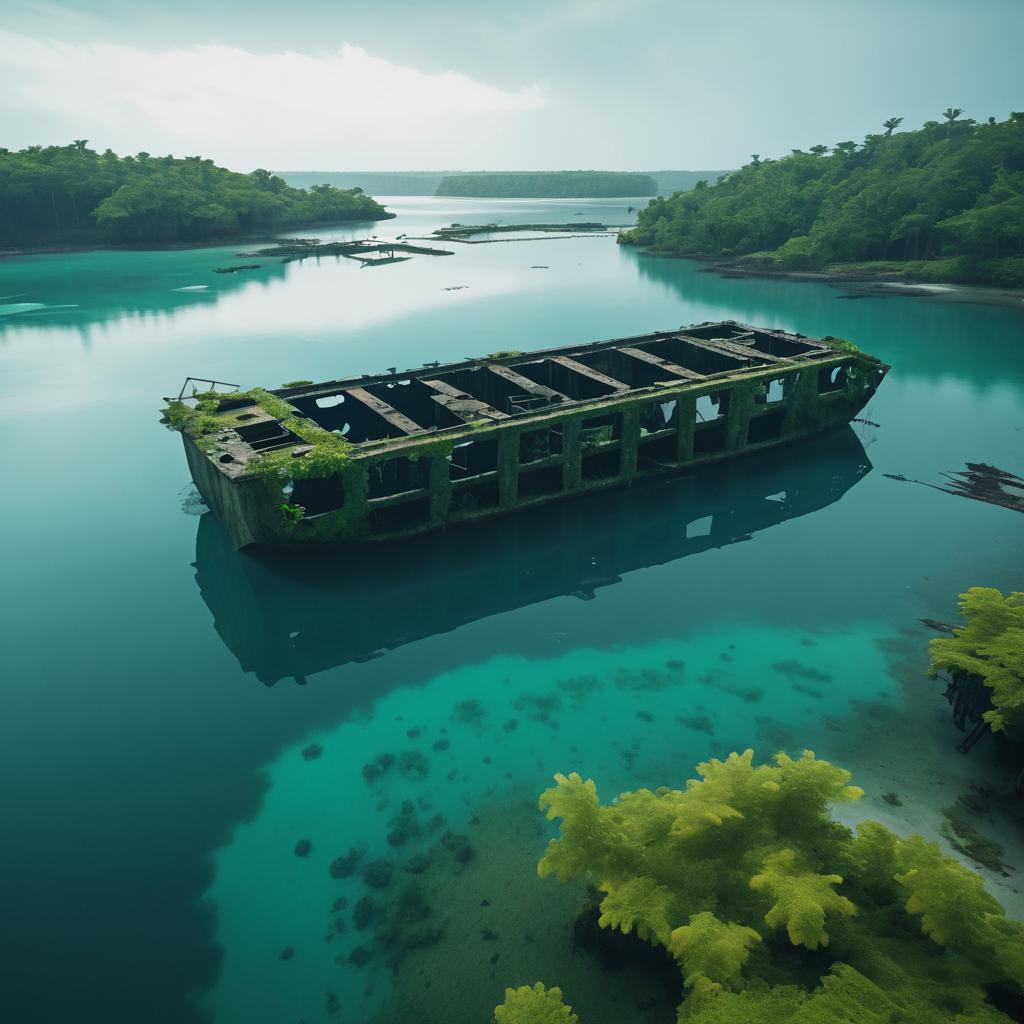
(981, 482)
(377, 874)
(236, 269)
(345, 865)
(966, 839)
(375, 769)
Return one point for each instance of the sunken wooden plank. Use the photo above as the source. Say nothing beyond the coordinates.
(662, 364)
(462, 403)
(586, 371)
(388, 412)
(538, 390)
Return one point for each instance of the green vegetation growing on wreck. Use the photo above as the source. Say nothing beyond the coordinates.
(74, 194)
(944, 202)
(775, 912)
(548, 185)
(989, 649)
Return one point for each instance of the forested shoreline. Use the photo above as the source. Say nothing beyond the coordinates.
(71, 195)
(944, 202)
(548, 185)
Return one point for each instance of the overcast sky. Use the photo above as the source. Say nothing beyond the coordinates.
(496, 84)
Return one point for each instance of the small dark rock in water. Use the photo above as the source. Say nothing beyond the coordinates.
(892, 798)
(302, 848)
(494, 959)
(487, 935)
(792, 667)
(645, 715)
(699, 723)
(485, 903)
(287, 953)
(440, 745)
(345, 865)
(235, 269)
(417, 863)
(359, 956)
(675, 664)
(411, 763)
(339, 925)
(487, 760)
(332, 1004)
(413, 732)
(528, 938)
(511, 725)
(375, 769)
(725, 658)
(363, 914)
(312, 752)
(377, 874)
(475, 820)
(436, 822)
(458, 846)
(404, 826)
(470, 711)
(339, 904)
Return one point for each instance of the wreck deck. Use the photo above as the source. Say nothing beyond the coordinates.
(379, 456)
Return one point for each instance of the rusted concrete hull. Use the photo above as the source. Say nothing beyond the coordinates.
(426, 479)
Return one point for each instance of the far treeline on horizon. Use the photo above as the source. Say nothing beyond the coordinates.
(943, 202)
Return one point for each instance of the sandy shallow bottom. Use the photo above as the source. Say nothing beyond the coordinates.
(433, 798)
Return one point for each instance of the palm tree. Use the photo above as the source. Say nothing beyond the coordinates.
(80, 144)
(892, 124)
(819, 150)
(951, 114)
(846, 148)
(755, 159)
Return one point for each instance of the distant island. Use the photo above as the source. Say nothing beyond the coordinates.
(426, 183)
(72, 195)
(548, 185)
(942, 203)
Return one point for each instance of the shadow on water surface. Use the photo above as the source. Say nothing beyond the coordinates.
(291, 616)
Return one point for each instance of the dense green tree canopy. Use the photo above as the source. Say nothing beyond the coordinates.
(776, 913)
(949, 193)
(548, 185)
(74, 194)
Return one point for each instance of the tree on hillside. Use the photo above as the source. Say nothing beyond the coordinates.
(907, 195)
(951, 114)
(891, 125)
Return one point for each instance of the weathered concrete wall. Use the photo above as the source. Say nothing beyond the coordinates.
(250, 509)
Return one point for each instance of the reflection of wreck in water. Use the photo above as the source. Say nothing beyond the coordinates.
(283, 616)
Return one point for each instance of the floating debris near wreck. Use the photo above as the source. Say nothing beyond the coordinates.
(980, 482)
(381, 456)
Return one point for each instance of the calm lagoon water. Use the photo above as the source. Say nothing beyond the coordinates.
(159, 689)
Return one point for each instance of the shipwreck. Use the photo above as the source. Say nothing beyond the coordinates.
(382, 456)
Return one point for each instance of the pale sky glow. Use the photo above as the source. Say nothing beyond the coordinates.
(200, 97)
(529, 84)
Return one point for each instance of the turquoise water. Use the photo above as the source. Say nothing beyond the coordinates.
(159, 688)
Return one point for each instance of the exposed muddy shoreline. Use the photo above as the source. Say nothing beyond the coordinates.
(866, 285)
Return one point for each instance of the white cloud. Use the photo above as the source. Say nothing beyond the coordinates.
(232, 103)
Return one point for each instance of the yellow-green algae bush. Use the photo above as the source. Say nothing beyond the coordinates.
(989, 647)
(537, 1005)
(777, 913)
